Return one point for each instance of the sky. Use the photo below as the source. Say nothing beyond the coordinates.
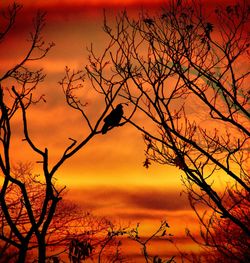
(107, 176)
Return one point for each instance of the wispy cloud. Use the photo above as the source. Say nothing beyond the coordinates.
(137, 198)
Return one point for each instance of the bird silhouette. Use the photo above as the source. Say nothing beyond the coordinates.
(113, 119)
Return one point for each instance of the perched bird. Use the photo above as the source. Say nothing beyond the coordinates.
(113, 118)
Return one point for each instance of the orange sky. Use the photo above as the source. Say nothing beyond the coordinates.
(106, 176)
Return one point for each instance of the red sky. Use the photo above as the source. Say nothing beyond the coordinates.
(107, 176)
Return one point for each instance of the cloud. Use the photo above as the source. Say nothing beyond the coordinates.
(154, 199)
(136, 199)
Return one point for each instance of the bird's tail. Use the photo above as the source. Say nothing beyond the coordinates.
(104, 128)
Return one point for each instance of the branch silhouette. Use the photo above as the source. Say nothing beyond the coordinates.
(180, 71)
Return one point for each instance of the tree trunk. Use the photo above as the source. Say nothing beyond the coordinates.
(22, 254)
(41, 250)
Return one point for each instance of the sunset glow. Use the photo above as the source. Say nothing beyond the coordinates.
(106, 177)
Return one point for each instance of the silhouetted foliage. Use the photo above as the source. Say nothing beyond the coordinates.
(79, 250)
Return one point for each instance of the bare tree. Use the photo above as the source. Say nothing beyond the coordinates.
(15, 204)
(185, 75)
(221, 239)
(69, 221)
(17, 94)
(107, 247)
(161, 233)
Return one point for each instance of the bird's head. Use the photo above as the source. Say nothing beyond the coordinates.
(119, 106)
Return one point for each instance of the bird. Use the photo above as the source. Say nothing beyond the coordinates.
(113, 119)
